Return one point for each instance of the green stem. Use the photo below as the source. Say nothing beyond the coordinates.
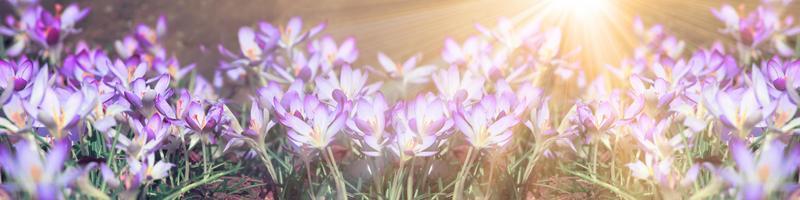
(205, 160)
(340, 187)
(410, 183)
(394, 194)
(459, 187)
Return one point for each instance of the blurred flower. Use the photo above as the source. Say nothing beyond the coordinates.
(408, 72)
(760, 176)
(248, 44)
(329, 55)
(42, 178)
(145, 170)
(173, 68)
(467, 54)
(293, 33)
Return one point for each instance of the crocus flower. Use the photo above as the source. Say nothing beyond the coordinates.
(368, 123)
(776, 72)
(57, 109)
(408, 72)
(147, 138)
(201, 119)
(299, 68)
(293, 33)
(259, 122)
(742, 117)
(310, 122)
(466, 54)
(145, 170)
(128, 71)
(451, 84)
(150, 38)
(506, 33)
(543, 129)
(16, 75)
(173, 68)
(176, 111)
(142, 97)
(247, 42)
(16, 117)
(329, 55)
(762, 175)
(489, 122)
(418, 124)
(40, 177)
(653, 137)
(352, 83)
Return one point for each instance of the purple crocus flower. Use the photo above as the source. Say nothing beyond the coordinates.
(145, 170)
(352, 83)
(489, 122)
(762, 175)
(310, 122)
(143, 97)
(201, 119)
(368, 123)
(16, 75)
(742, 117)
(407, 72)
(150, 38)
(247, 42)
(329, 55)
(57, 109)
(418, 124)
(128, 71)
(40, 177)
(466, 54)
(293, 33)
(259, 122)
(173, 68)
(777, 72)
(17, 118)
(147, 138)
(453, 86)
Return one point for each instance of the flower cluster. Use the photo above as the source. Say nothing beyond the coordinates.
(116, 123)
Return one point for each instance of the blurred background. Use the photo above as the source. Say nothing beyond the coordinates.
(401, 28)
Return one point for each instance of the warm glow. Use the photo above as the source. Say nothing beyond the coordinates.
(581, 9)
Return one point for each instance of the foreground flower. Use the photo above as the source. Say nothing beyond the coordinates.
(489, 123)
(310, 122)
(369, 123)
(58, 110)
(42, 178)
(417, 126)
(761, 176)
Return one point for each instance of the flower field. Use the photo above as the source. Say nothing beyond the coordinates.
(508, 113)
